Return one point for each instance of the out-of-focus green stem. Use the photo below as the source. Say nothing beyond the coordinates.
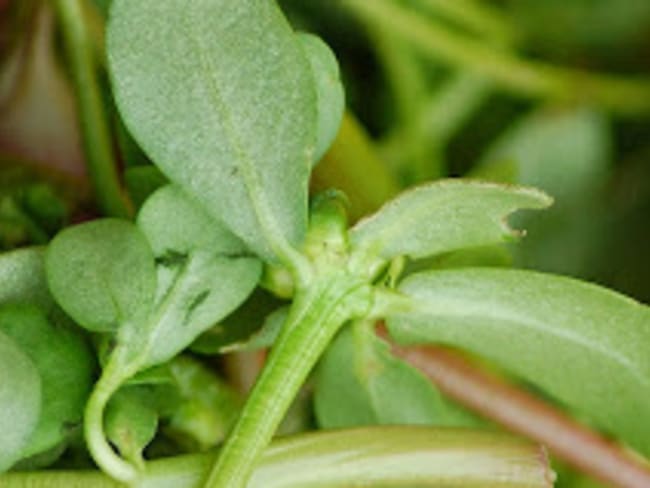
(440, 116)
(475, 16)
(353, 166)
(95, 131)
(625, 96)
(394, 456)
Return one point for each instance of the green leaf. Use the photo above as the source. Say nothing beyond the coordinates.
(441, 217)
(208, 405)
(131, 424)
(239, 327)
(585, 345)
(204, 271)
(262, 338)
(329, 90)
(22, 278)
(378, 388)
(20, 401)
(65, 364)
(102, 273)
(221, 97)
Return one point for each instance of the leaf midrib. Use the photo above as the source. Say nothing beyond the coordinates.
(252, 185)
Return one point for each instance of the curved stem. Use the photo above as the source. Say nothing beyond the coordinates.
(96, 134)
(106, 458)
(626, 96)
(316, 316)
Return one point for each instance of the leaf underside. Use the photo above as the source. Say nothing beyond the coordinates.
(585, 345)
(221, 97)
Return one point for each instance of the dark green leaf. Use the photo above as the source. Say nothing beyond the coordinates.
(264, 337)
(584, 345)
(22, 278)
(239, 326)
(221, 97)
(65, 364)
(102, 273)
(142, 181)
(20, 401)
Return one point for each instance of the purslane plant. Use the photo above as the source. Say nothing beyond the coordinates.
(235, 108)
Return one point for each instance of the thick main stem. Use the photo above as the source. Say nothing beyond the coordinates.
(318, 313)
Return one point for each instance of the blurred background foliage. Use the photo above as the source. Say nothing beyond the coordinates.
(549, 93)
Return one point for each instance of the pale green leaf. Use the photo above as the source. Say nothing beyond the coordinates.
(20, 400)
(329, 90)
(102, 273)
(221, 97)
(65, 364)
(378, 387)
(204, 271)
(585, 345)
(441, 217)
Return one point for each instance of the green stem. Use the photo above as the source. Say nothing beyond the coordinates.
(112, 378)
(94, 127)
(440, 117)
(474, 16)
(317, 314)
(529, 78)
(394, 456)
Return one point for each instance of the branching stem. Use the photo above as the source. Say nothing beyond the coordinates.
(317, 314)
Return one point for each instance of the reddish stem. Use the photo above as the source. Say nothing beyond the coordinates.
(525, 414)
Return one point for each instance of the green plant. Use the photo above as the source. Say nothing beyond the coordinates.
(235, 109)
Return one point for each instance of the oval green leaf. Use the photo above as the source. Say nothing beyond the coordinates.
(20, 401)
(204, 270)
(329, 90)
(443, 216)
(585, 345)
(101, 273)
(221, 97)
(65, 364)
